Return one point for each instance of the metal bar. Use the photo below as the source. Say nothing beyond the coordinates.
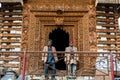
(24, 66)
(82, 52)
(112, 66)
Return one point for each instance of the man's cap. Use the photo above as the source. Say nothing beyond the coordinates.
(49, 40)
(71, 41)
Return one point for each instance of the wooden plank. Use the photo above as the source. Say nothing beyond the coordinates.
(10, 35)
(105, 14)
(9, 59)
(106, 30)
(105, 35)
(10, 13)
(99, 8)
(107, 25)
(106, 42)
(12, 24)
(12, 7)
(106, 47)
(10, 18)
(20, 54)
(11, 65)
(10, 29)
(105, 20)
(9, 46)
(110, 49)
(12, 1)
(109, 1)
(9, 40)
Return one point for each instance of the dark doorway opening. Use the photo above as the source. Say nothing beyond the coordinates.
(60, 41)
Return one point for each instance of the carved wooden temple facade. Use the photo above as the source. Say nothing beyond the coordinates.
(27, 25)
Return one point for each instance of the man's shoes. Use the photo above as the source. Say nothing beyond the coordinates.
(71, 76)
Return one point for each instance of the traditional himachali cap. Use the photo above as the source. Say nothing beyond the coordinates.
(49, 40)
(71, 41)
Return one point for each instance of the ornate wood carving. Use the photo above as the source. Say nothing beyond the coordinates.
(26, 17)
(59, 5)
(59, 20)
(92, 28)
(43, 19)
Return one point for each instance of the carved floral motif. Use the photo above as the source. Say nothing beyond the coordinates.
(26, 17)
(92, 28)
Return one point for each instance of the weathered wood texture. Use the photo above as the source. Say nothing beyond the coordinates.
(10, 34)
(11, 25)
(12, 1)
(107, 27)
(40, 18)
(109, 1)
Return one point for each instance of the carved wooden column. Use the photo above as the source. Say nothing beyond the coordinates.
(80, 35)
(90, 61)
(86, 44)
(92, 28)
(26, 18)
(92, 33)
(25, 29)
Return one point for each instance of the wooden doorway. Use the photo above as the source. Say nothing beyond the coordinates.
(60, 42)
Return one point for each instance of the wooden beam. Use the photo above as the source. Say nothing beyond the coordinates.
(109, 1)
(106, 30)
(107, 36)
(11, 35)
(11, 1)
(106, 42)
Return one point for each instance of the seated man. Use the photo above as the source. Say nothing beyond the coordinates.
(71, 58)
(49, 59)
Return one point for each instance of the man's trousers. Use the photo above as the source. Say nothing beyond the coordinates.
(50, 66)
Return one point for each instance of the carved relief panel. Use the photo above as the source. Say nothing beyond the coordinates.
(42, 21)
(39, 35)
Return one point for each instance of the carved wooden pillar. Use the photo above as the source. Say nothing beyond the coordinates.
(80, 35)
(90, 32)
(26, 17)
(75, 35)
(86, 44)
(25, 29)
(80, 44)
(92, 28)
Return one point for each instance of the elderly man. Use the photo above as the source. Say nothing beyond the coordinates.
(71, 58)
(49, 60)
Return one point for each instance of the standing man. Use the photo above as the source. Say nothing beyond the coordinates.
(71, 58)
(49, 59)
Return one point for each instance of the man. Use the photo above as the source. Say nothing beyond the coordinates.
(71, 58)
(49, 59)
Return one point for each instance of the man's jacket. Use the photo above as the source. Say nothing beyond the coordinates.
(45, 55)
(71, 58)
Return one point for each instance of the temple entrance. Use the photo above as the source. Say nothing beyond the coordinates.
(60, 41)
